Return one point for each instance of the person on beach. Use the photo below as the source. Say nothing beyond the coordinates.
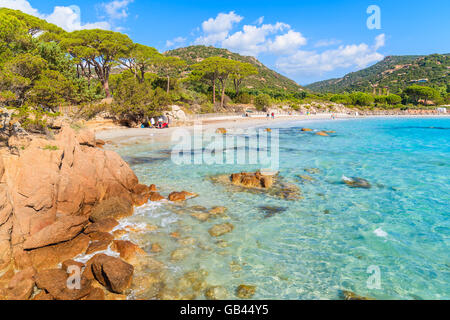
(160, 121)
(152, 121)
(273, 115)
(268, 115)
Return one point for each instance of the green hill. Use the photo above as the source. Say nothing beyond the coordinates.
(266, 79)
(394, 72)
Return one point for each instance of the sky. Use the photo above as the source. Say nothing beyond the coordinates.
(306, 41)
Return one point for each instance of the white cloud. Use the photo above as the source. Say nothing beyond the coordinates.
(68, 18)
(260, 20)
(287, 43)
(380, 40)
(312, 62)
(217, 29)
(117, 9)
(176, 41)
(21, 5)
(327, 43)
(253, 40)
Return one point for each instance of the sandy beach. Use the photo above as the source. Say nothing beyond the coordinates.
(122, 135)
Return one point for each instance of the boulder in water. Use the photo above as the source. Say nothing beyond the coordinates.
(245, 291)
(355, 182)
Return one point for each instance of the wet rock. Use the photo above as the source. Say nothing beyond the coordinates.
(252, 180)
(98, 246)
(152, 188)
(193, 282)
(156, 197)
(245, 291)
(187, 241)
(221, 131)
(54, 282)
(72, 263)
(115, 207)
(312, 170)
(271, 211)
(221, 229)
(216, 293)
(180, 254)
(355, 182)
(101, 236)
(43, 296)
(222, 244)
(175, 235)
(104, 225)
(156, 248)
(349, 295)
(180, 196)
(217, 210)
(96, 294)
(113, 273)
(127, 249)
(99, 143)
(321, 133)
(201, 216)
(235, 266)
(307, 129)
(306, 177)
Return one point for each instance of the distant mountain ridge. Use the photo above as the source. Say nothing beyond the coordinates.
(393, 72)
(266, 78)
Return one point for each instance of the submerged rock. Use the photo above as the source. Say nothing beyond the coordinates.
(321, 133)
(217, 210)
(245, 291)
(220, 229)
(270, 211)
(216, 293)
(355, 182)
(305, 177)
(181, 196)
(180, 254)
(312, 170)
(201, 216)
(349, 295)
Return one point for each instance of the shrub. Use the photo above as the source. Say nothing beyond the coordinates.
(262, 102)
(244, 98)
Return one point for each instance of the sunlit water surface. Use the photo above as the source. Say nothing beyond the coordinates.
(318, 246)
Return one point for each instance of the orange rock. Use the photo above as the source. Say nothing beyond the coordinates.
(321, 133)
(51, 256)
(307, 129)
(97, 246)
(115, 207)
(153, 188)
(127, 249)
(175, 235)
(113, 273)
(101, 236)
(155, 197)
(156, 248)
(104, 225)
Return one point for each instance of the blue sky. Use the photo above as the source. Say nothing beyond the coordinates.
(304, 40)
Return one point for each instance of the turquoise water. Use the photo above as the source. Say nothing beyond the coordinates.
(324, 243)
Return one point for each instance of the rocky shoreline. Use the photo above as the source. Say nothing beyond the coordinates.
(61, 198)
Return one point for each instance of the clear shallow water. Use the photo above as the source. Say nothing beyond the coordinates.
(325, 242)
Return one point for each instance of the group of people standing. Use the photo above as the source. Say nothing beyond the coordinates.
(158, 122)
